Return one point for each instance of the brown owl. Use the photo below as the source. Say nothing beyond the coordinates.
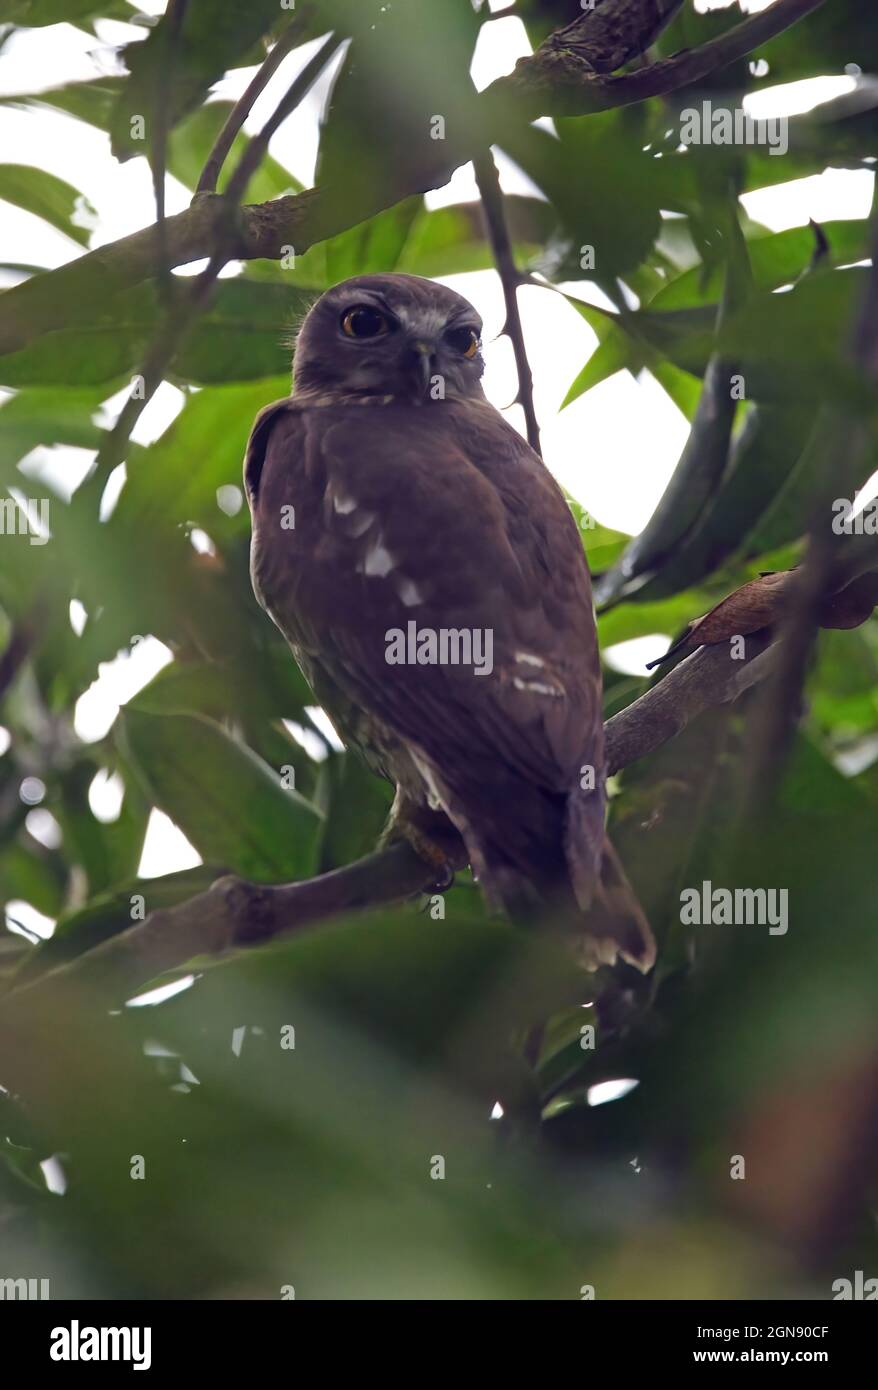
(430, 579)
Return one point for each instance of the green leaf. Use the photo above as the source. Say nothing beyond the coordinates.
(450, 241)
(695, 478)
(270, 687)
(38, 13)
(375, 245)
(91, 102)
(763, 457)
(776, 260)
(614, 354)
(178, 62)
(357, 804)
(48, 197)
(213, 427)
(33, 876)
(51, 416)
(228, 803)
(604, 189)
(241, 337)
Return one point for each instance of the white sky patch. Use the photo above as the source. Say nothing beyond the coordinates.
(60, 468)
(53, 1175)
(159, 412)
(325, 725)
(229, 499)
(118, 681)
(631, 658)
(835, 194)
(78, 616)
(606, 1091)
(498, 48)
(306, 738)
(112, 491)
(796, 98)
(105, 796)
(32, 791)
(161, 993)
(228, 272)
(748, 6)
(165, 848)
(201, 542)
(867, 493)
(24, 920)
(44, 827)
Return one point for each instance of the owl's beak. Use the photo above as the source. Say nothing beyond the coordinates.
(422, 366)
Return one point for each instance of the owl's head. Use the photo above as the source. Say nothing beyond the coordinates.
(394, 335)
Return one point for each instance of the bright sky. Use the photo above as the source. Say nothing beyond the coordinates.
(614, 449)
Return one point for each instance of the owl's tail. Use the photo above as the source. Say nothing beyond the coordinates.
(601, 918)
(615, 923)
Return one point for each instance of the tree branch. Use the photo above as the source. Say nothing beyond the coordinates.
(288, 40)
(233, 914)
(559, 78)
(488, 182)
(548, 83)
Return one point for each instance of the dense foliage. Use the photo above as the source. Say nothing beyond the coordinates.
(267, 1165)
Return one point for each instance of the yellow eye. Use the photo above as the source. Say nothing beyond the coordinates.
(364, 322)
(464, 340)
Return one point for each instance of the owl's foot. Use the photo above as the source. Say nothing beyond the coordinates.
(432, 837)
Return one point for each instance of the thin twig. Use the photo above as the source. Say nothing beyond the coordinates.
(491, 194)
(289, 39)
(158, 145)
(301, 85)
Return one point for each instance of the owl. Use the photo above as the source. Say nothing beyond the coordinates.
(430, 579)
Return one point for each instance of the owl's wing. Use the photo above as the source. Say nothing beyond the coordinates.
(433, 519)
(414, 521)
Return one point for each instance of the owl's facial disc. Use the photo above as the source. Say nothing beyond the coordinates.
(391, 335)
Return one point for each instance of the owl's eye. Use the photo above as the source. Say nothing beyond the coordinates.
(364, 322)
(465, 340)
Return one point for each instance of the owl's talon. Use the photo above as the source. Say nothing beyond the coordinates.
(443, 883)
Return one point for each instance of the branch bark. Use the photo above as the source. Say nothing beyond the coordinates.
(553, 82)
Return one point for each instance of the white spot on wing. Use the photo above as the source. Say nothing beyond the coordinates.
(344, 505)
(537, 687)
(529, 659)
(378, 562)
(409, 592)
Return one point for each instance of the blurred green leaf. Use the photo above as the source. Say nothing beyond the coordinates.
(240, 338)
(228, 802)
(50, 198)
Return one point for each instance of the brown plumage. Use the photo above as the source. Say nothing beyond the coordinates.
(414, 503)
